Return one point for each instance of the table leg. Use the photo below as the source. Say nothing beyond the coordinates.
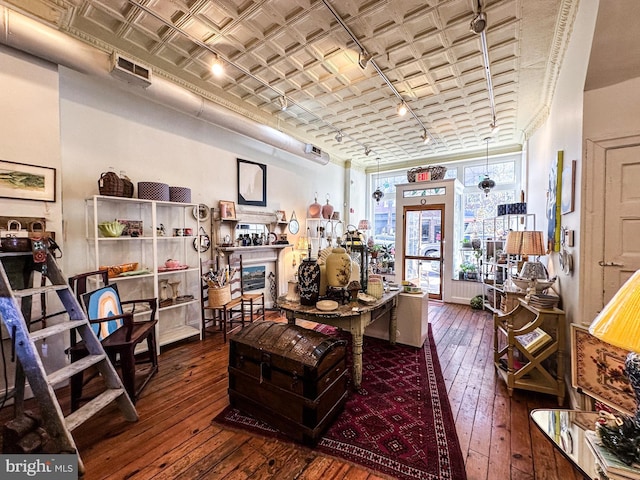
(357, 338)
(393, 323)
(291, 318)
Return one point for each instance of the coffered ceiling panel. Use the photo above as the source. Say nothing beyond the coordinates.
(314, 52)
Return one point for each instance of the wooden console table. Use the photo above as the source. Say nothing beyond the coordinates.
(521, 365)
(353, 317)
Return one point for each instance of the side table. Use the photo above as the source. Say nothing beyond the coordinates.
(565, 429)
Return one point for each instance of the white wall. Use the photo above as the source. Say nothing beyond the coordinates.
(103, 126)
(563, 131)
(30, 124)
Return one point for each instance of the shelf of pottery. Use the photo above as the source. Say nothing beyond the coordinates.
(153, 256)
(497, 266)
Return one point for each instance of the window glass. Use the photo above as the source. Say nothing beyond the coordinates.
(502, 173)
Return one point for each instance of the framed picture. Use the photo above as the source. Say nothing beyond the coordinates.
(227, 210)
(597, 370)
(252, 183)
(568, 187)
(27, 182)
(554, 194)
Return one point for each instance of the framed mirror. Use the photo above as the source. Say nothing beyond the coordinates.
(294, 226)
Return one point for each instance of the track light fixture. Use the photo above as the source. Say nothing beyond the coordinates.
(425, 137)
(284, 103)
(402, 109)
(217, 67)
(486, 184)
(378, 194)
(367, 151)
(495, 128)
(339, 136)
(479, 22)
(363, 59)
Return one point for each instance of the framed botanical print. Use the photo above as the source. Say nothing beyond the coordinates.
(252, 183)
(27, 182)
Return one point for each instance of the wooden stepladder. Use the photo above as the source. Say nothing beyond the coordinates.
(14, 270)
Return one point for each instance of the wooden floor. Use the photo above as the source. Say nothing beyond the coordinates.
(175, 439)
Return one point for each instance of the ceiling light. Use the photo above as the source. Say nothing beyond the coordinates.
(367, 150)
(486, 184)
(363, 59)
(479, 23)
(425, 137)
(339, 136)
(283, 103)
(217, 67)
(402, 109)
(494, 128)
(378, 194)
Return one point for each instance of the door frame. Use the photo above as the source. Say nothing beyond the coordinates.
(420, 208)
(588, 269)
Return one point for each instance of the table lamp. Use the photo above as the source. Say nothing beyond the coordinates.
(619, 324)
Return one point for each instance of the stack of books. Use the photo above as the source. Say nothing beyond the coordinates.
(614, 468)
(545, 302)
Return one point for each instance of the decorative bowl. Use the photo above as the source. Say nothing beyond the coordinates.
(111, 229)
(172, 263)
(115, 270)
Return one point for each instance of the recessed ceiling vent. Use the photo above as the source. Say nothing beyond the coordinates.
(313, 150)
(130, 71)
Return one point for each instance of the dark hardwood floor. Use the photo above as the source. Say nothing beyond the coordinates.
(175, 437)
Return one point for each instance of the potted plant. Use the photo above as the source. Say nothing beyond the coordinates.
(466, 244)
(470, 271)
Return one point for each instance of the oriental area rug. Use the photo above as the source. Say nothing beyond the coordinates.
(399, 423)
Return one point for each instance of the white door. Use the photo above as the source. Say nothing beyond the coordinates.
(622, 217)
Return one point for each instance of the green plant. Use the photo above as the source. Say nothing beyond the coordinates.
(468, 267)
(477, 302)
(466, 243)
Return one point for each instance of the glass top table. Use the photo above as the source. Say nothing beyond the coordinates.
(566, 431)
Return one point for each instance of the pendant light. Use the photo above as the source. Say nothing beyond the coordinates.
(378, 194)
(486, 184)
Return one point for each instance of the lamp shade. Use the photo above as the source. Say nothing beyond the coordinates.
(532, 243)
(619, 321)
(514, 243)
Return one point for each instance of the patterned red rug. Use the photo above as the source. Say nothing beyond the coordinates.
(399, 423)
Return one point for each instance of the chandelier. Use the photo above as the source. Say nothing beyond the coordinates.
(486, 184)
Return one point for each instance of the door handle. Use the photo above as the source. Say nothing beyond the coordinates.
(602, 263)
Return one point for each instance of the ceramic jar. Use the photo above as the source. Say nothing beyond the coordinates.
(314, 209)
(338, 267)
(327, 210)
(309, 281)
(292, 292)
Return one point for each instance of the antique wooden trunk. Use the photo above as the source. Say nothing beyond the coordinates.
(290, 377)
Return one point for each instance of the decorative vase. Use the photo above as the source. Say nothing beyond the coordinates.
(309, 281)
(338, 267)
(292, 292)
(163, 291)
(315, 208)
(327, 210)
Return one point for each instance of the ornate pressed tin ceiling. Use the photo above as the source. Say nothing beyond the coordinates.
(297, 48)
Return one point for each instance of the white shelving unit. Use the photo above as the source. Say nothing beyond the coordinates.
(494, 274)
(177, 319)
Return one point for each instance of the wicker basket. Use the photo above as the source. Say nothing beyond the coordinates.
(111, 184)
(219, 296)
(127, 187)
(436, 172)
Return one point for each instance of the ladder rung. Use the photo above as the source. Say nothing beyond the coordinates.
(56, 329)
(28, 292)
(73, 368)
(89, 409)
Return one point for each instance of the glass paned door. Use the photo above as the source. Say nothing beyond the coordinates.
(423, 239)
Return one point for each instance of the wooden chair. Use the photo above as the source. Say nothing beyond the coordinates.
(252, 303)
(216, 313)
(118, 340)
